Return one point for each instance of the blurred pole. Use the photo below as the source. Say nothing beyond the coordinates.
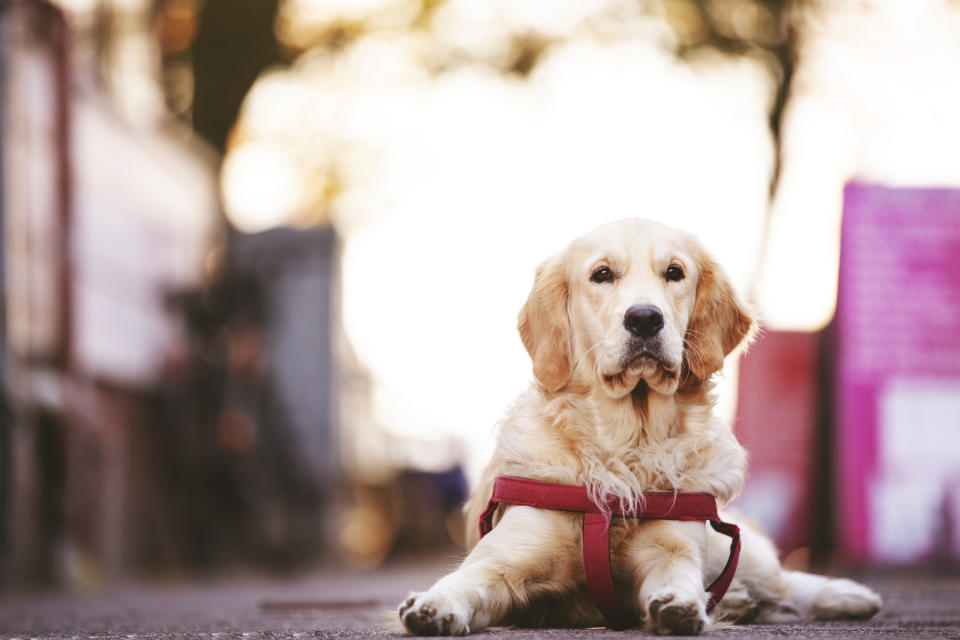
(6, 472)
(824, 525)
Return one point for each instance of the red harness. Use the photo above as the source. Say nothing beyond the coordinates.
(700, 507)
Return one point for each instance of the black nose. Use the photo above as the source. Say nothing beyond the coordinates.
(643, 320)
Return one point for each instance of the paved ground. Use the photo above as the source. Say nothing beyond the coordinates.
(336, 604)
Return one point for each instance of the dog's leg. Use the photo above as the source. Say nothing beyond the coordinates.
(530, 552)
(759, 586)
(821, 598)
(668, 560)
(785, 595)
(737, 605)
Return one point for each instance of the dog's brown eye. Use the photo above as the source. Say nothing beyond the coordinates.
(674, 273)
(603, 274)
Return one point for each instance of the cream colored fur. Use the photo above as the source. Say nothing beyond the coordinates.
(622, 415)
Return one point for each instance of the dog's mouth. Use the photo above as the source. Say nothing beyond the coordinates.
(642, 362)
(641, 354)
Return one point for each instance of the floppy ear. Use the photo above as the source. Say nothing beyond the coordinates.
(544, 326)
(720, 322)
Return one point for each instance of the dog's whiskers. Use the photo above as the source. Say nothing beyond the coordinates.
(691, 349)
(584, 354)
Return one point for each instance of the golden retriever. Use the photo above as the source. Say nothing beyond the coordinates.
(625, 328)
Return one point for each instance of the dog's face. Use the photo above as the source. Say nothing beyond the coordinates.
(631, 301)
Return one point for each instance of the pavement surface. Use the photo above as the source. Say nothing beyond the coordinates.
(341, 604)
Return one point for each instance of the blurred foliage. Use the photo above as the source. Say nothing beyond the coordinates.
(233, 46)
(235, 40)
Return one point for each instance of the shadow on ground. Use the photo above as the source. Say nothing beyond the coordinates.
(339, 604)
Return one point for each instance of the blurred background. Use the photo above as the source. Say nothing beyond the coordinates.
(262, 259)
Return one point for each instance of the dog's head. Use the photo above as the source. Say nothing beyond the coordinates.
(633, 301)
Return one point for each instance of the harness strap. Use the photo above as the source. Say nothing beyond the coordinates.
(596, 564)
(700, 507)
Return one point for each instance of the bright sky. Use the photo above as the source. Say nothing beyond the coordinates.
(451, 187)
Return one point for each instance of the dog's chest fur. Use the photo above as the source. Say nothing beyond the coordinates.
(622, 448)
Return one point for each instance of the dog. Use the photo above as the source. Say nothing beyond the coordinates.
(626, 328)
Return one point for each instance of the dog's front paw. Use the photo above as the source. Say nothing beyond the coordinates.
(670, 613)
(424, 615)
